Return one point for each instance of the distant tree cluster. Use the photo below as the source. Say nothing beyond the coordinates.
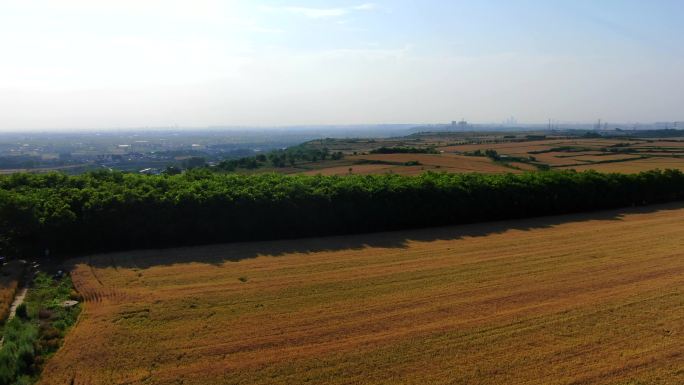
(280, 158)
(106, 211)
(494, 155)
(489, 153)
(404, 150)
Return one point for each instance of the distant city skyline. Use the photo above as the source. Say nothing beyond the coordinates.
(78, 64)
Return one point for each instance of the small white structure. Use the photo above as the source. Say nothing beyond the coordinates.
(68, 303)
(150, 171)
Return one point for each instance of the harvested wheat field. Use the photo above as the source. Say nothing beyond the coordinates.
(673, 143)
(634, 166)
(525, 147)
(557, 159)
(579, 299)
(359, 169)
(395, 164)
(606, 157)
(448, 162)
(511, 148)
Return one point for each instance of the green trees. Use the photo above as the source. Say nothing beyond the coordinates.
(18, 352)
(279, 158)
(106, 211)
(172, 170)
(489, 153)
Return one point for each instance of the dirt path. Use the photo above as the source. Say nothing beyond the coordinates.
(18, 300)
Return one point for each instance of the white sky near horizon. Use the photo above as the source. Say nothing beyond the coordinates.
(86, 64)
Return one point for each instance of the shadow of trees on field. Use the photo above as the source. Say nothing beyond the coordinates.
(233, 252)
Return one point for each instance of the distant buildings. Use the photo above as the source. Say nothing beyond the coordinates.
(510, 122)
(669, 125)
(460, 125)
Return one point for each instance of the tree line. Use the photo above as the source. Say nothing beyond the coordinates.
(104, 211)
(279, 158)
(404, 150)
(506, 159)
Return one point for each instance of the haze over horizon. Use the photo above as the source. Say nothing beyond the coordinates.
(81, 64)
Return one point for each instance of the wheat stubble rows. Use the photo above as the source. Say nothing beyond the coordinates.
(583, 299)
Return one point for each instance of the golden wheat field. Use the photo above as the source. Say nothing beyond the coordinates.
(517, 155)
(663, 143)
(512, 148)
(427, 162)
(525, 147)
(605, 157)
(359, 169)
(450, 162)
(577, 299)
(635, 166)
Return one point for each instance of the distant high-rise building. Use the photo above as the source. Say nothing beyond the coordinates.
(510, 122)
(460, 125)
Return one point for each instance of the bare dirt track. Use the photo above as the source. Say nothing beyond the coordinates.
(9, 283)
(579, 299)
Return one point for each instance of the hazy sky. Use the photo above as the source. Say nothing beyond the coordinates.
(132, 63)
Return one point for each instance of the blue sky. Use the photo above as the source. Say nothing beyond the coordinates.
(132, 63)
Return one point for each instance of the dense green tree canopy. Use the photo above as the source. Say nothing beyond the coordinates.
(105, 211)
